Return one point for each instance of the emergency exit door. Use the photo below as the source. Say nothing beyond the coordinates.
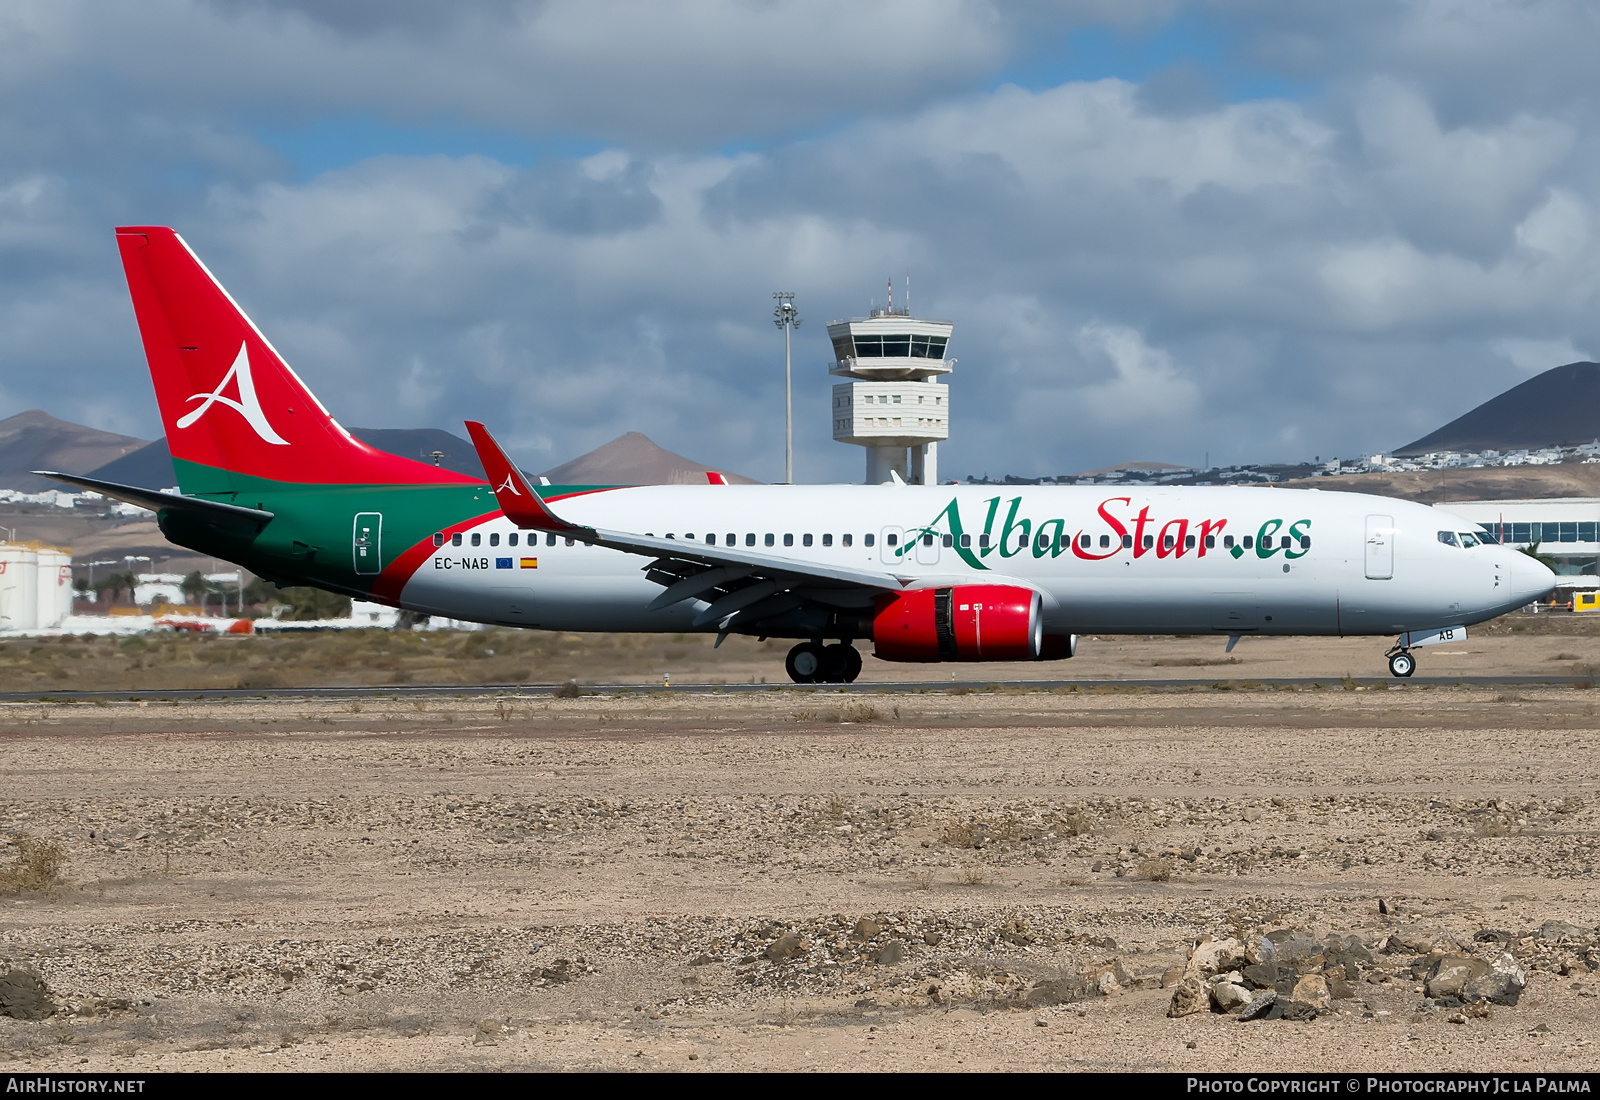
(367, 543)
(1380, 547)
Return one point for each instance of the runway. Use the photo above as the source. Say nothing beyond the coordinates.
(400, 691)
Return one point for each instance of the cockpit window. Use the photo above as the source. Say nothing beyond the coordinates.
(1486, 537)
(1448, 538)
(1468, 539)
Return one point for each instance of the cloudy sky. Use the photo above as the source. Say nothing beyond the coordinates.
(1259, 230)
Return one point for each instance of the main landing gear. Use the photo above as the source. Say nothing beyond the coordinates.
(810, 663)
(1401, 662)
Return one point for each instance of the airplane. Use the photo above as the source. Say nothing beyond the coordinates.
(267, 478)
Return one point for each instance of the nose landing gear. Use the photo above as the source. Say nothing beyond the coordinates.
(1401, 662)
(810, 663)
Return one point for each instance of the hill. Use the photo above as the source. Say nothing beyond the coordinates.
(35, 440)
(1567, 479)
(1559, 408)
(634, 459)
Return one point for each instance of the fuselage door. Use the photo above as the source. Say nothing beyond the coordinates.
(892, 547)
(367, 545)
(1380, 547)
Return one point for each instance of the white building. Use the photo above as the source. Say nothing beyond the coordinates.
(892, 405)
(1566, 528)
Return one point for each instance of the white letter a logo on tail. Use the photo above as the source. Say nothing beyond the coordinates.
(248, 405)
(510, 486)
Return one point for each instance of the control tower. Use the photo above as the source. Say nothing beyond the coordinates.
(891, 404)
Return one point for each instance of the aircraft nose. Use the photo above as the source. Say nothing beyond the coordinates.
(1530, 578)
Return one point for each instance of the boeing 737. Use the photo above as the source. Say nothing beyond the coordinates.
(268, 479)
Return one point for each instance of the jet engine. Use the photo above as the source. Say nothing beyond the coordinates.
(969, 622)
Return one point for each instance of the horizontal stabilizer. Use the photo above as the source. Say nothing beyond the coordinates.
(212, 511)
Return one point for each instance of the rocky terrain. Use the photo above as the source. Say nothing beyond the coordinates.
(1128, 879)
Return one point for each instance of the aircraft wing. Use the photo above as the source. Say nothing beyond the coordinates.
(743, 586)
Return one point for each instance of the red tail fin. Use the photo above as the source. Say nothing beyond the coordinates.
(228, 400)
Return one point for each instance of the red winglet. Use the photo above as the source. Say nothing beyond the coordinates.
(716, 478)
(520, 501)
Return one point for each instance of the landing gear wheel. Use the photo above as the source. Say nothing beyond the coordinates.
(840, 664)
(1402, 663)
(852, 667)
(804, 663)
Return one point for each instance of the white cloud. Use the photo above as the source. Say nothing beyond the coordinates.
(1147, 389)
(1259, 279)
(1537, 356)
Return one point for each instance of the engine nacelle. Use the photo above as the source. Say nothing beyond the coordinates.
(970, 622)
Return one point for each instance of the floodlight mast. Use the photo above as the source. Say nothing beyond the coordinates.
(786, 317)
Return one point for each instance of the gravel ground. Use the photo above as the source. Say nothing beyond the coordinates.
(926, 879)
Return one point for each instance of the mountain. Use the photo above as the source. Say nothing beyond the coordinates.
(1559, 408)
(35, 440)
(634, 459)
(150, 467)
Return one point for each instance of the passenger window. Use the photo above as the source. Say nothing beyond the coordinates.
(966, 541)
(1287, 542)
(846, 540)
(438, 538)
(1448, 538)
(927, 539)
(866, 540)
(477, 539)
(1149, 541)
(1247, 542)
(455, 539)
(827, 540)
(1127, 541)
(949, 541)
(769, 540)
(670, 535)
(1211, 542)
(983, 542)
(1166, 542)
(788, 540)
(730, 539)
(494, 539)
(711, 540)
(750, 539)
(570, 542)
(805, 540)
(1188, 542)
(1083, 541)
(1227, 542)
(1105, 541)
(549, 540)
(1305, 542)
(511, 539)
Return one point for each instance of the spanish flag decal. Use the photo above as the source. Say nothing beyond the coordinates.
(530, 563)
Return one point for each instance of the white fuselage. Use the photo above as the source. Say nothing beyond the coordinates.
(1105, 560)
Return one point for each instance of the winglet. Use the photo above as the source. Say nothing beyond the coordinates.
(520, 501)
(716, 478)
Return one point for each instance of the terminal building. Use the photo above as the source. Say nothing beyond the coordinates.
(892, 404)
(1567, 529)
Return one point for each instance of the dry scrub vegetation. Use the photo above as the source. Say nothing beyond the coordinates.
(368, 658)
(37, 868)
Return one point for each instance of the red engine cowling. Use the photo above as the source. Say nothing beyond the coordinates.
(970, 622)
